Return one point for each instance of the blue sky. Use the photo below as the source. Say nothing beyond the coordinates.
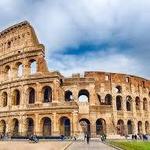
(87, 35)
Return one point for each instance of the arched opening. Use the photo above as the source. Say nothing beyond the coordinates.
(147, 127)
(137, 102)
(130, 127)
(46, 126)
(145, 104)
(85, 126)
(29, 126)
(15, 127)
(4, 99)
(119, 103)
(68, 95)
(31, 95)
(33, 66)
(140, 131)
(100, 126)
(47, 94)
(19, 69)
(65, 126)
(7, 72)
(2, 127)
(118, 89)
(16, 97)
(128, 103)
(120, 127)
(108, 99)
(83, 96)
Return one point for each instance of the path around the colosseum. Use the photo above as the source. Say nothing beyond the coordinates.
(93, 145)
(53, 145)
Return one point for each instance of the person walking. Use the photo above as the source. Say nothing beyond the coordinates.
(87, 138)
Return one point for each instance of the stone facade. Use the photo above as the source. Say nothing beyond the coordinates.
(34, 100)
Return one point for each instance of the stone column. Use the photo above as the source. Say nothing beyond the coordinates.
(26, 68)
(55, 127)
(38, 97)
(37, 125)
(75, 123)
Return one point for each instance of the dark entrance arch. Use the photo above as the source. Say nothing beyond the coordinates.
(100, 126)
(120, 127)
(30, 126)
(65, 126)
(2, 127)
(15, 127)
(46, 126)
(85, 125)
(130, 127)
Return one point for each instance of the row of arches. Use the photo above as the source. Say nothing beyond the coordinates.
(65, 126)
(18, 69)
(129, 103)
(31, 96)
(130, 127)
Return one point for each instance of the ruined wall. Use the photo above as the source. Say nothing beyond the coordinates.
(96, 102)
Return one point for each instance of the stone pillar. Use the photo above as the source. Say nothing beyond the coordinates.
(114, 114)
(37, 125)
(38, 97)
(135, 128)
(26, 68)
(22, 125)
(75, 123)
(55, 127)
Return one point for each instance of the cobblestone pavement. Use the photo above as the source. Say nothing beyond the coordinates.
(93, 145)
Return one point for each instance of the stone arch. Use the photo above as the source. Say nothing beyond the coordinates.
(100, 126)
(7, 72)
(68, 95)
(120, 127)
(118, 89)
(31, 95)
(83, 95)
(47, 94)
(108, 99)
(16, 97)
(85, 125)
(130, 127)
(65, 126)
(4, 99)
(140, 131)
(29, 126)
(147, 127)
(128, 103)
(137, 102)
(2, 127)
(46, 126)
(15, 127)
(33, 66)
(145, 104)
(19, 69)
(119, 102)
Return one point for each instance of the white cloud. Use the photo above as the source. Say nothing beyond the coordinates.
(63, 24)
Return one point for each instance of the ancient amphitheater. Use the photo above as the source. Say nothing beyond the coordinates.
(34, 100)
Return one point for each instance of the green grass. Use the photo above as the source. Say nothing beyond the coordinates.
(131, 145)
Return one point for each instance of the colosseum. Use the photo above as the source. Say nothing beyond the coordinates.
(34, 100)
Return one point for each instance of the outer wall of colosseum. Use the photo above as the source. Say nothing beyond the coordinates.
(34, 100)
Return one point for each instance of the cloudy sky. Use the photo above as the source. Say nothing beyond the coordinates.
(85, 35)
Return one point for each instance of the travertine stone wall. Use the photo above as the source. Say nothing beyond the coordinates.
(47, 103)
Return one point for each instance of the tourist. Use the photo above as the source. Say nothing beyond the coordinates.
(87, 138)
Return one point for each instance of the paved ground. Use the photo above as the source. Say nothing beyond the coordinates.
(53, 145)
(93, 145)
(25, 145)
